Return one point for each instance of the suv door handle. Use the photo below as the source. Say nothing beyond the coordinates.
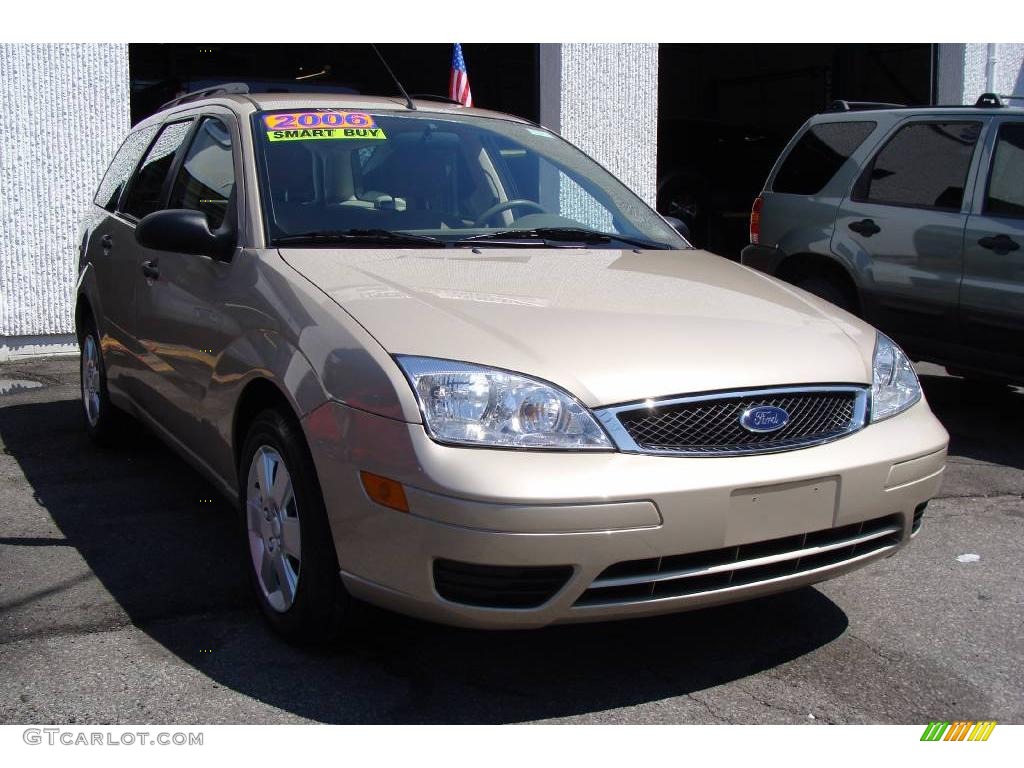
(865, 227)
(107, 242)
(999, 243)
(151, 270)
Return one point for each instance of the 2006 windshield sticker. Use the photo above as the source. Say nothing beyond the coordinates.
(306, 126)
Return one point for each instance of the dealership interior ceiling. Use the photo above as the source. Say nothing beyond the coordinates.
(724, 110)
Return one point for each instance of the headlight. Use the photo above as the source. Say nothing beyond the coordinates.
(474, 405)
(894, 384)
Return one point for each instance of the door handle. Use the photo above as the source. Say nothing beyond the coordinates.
(999, 243)
(107, 242)
(151, 270)
(865, 227)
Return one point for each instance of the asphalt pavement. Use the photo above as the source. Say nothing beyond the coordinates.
(123, 600)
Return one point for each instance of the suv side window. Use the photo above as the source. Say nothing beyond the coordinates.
(1005, 195)
(147, 187)
(207, 177)
(923, 165)
(818, 155)
(121, 167)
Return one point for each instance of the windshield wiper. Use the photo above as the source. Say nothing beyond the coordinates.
(362, 236)
(555, 234)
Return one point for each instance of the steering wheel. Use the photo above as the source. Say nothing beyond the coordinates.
(484, 217)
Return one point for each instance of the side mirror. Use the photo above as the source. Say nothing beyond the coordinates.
(679, 226)
(184, 231)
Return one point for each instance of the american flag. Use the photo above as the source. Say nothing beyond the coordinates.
(458, 83)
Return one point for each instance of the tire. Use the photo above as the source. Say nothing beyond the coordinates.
(103, 419)
(293, 568)
(825, 288)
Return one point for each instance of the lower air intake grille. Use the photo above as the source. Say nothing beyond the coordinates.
(679, 575)
(498, 586)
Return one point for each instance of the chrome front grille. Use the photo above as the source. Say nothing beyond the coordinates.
(744, 565)
(710, 425)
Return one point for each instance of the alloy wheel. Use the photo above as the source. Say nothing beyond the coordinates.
(91, 379)
(272, 518)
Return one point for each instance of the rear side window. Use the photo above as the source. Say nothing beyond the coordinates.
(924, 165)
(1006, 181)
(818, 155)
(147, 187)
(207, 177)
(121, 167)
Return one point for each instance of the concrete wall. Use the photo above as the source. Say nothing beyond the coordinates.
(604, 99)
(65, 112)
(964, 71)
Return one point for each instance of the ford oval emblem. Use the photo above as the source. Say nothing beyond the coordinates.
(764, 418)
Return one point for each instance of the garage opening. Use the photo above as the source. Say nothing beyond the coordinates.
(503, 76)
(726, 111)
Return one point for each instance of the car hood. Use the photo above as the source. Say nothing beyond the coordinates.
(610, 326)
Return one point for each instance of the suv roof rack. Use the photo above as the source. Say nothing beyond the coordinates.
(841, 105)
(985, 100)
(212, 90)
(995, 99)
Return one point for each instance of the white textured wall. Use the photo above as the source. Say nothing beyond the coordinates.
(603, 97)
(963, 73)
(950, 75)
(65, 111)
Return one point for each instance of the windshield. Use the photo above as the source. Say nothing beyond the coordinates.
(354, 176)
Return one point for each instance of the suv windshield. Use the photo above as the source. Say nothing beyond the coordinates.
(350, 178)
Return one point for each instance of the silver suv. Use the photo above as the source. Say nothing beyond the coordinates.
(912, 219)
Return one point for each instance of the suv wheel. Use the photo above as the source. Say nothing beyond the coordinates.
(828, 289)
(293, 567)
(101, 416)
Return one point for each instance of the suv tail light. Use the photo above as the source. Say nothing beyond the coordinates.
(755, 221)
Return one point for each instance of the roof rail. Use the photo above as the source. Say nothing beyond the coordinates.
(213, 90)
(435, 97)
(840, 105)
(996, 99)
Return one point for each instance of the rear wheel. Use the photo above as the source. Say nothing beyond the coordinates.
(102, 418)
(826, 288)
(293, 568)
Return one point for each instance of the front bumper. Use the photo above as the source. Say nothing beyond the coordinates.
(590, 512)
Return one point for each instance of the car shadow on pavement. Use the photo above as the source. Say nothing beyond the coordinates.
(984, 421)
(164, 545)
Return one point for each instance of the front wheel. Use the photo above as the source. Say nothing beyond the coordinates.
(293, 567)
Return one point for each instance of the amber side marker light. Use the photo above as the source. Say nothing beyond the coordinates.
(385, 491)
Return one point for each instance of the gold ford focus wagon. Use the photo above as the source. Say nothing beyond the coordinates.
(447, 364)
